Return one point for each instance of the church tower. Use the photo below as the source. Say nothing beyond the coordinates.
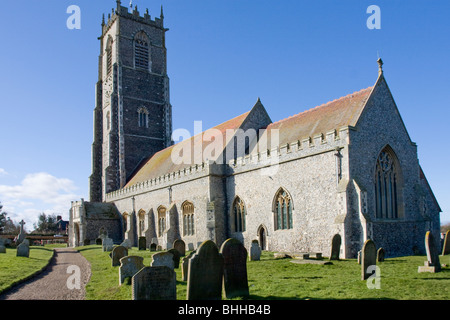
(133, 115)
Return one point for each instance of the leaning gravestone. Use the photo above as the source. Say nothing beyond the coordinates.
(205, 273)
(432, 264)
(235, 279)
(107, 244)
(163, 259)
(185, 266)
(118, 253)
(446, 245)
(176, 257)
(368, 258)
(154, 283)
(142, 243)
(180, 246)
(23, 250)
(129, 266)
(255, 251)
(127, 243)
(335, 247)
(152, 247)
(381, 253)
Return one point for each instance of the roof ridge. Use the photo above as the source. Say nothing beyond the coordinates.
(323, 105)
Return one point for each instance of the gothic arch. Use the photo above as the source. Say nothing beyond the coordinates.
(262, 233)
(238, 215)
(388, 184)
(142, 225)
(188, 211)
(142, 50)
(282, 208)
(162, 218)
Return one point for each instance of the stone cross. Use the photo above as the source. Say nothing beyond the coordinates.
(21, 225)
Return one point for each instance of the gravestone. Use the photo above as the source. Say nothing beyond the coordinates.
(176, 257)
(22, 234)
(129, 266)
(127, 244)
(335, 247)
(142, 243)
(185, 266)
(432, 264)
(98, 241)
(152, 247)
(86, 242)
(205, 273)
(118, 253)
(2, 249)
(381, 253)
(180, 246)
(107, 244)
(255, 251)
(163, 259)
(235, 281)
(23, 250)
(358, 258)
(368, 258)
(446, 244)
(154, 283)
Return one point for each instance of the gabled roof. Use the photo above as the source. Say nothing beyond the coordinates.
(161, 162)
(332, 115)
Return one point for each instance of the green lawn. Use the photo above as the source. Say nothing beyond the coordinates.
(280, 279)
(14, 269)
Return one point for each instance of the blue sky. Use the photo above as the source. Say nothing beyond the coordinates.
(222, 56)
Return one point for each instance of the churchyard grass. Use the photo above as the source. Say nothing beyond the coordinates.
(15, 269)
(275, 279)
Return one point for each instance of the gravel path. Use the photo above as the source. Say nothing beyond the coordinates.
(54, 282)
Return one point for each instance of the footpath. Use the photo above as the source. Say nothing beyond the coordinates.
(65, 278)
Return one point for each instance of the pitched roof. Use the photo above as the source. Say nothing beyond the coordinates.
(332, 115)
(161, 162)
(335, 114)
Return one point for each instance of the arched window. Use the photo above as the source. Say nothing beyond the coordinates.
(283, 210)
(109, 44)
(141, 51)
(143, 117)
(141, 216)
(387, 185)
(188, 218)
(239, 213)
(161, 220)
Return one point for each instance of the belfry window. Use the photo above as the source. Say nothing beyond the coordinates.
(188, 218)
(239, 213)
(141, 51)
(143, 118)
(109, 56)
(387, 185)
(283, 210)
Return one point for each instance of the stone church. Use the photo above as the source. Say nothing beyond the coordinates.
(347, 167)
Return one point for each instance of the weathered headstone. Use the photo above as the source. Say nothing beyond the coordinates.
(129, 266)
(358, 258)
(335, 247)
(98, 241)
(255, 251)
(205, 273)
(432, 264)
(446, 244)
(23, 250)
(368, 258)
(235, 281)
(107, 244)
(154, 283)
(185, 266)
(118, 253)
(152, 247)
(176, 257)
(142, 243)
(127, 243)
(180, 245)
(381, 253)
(163, 259)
